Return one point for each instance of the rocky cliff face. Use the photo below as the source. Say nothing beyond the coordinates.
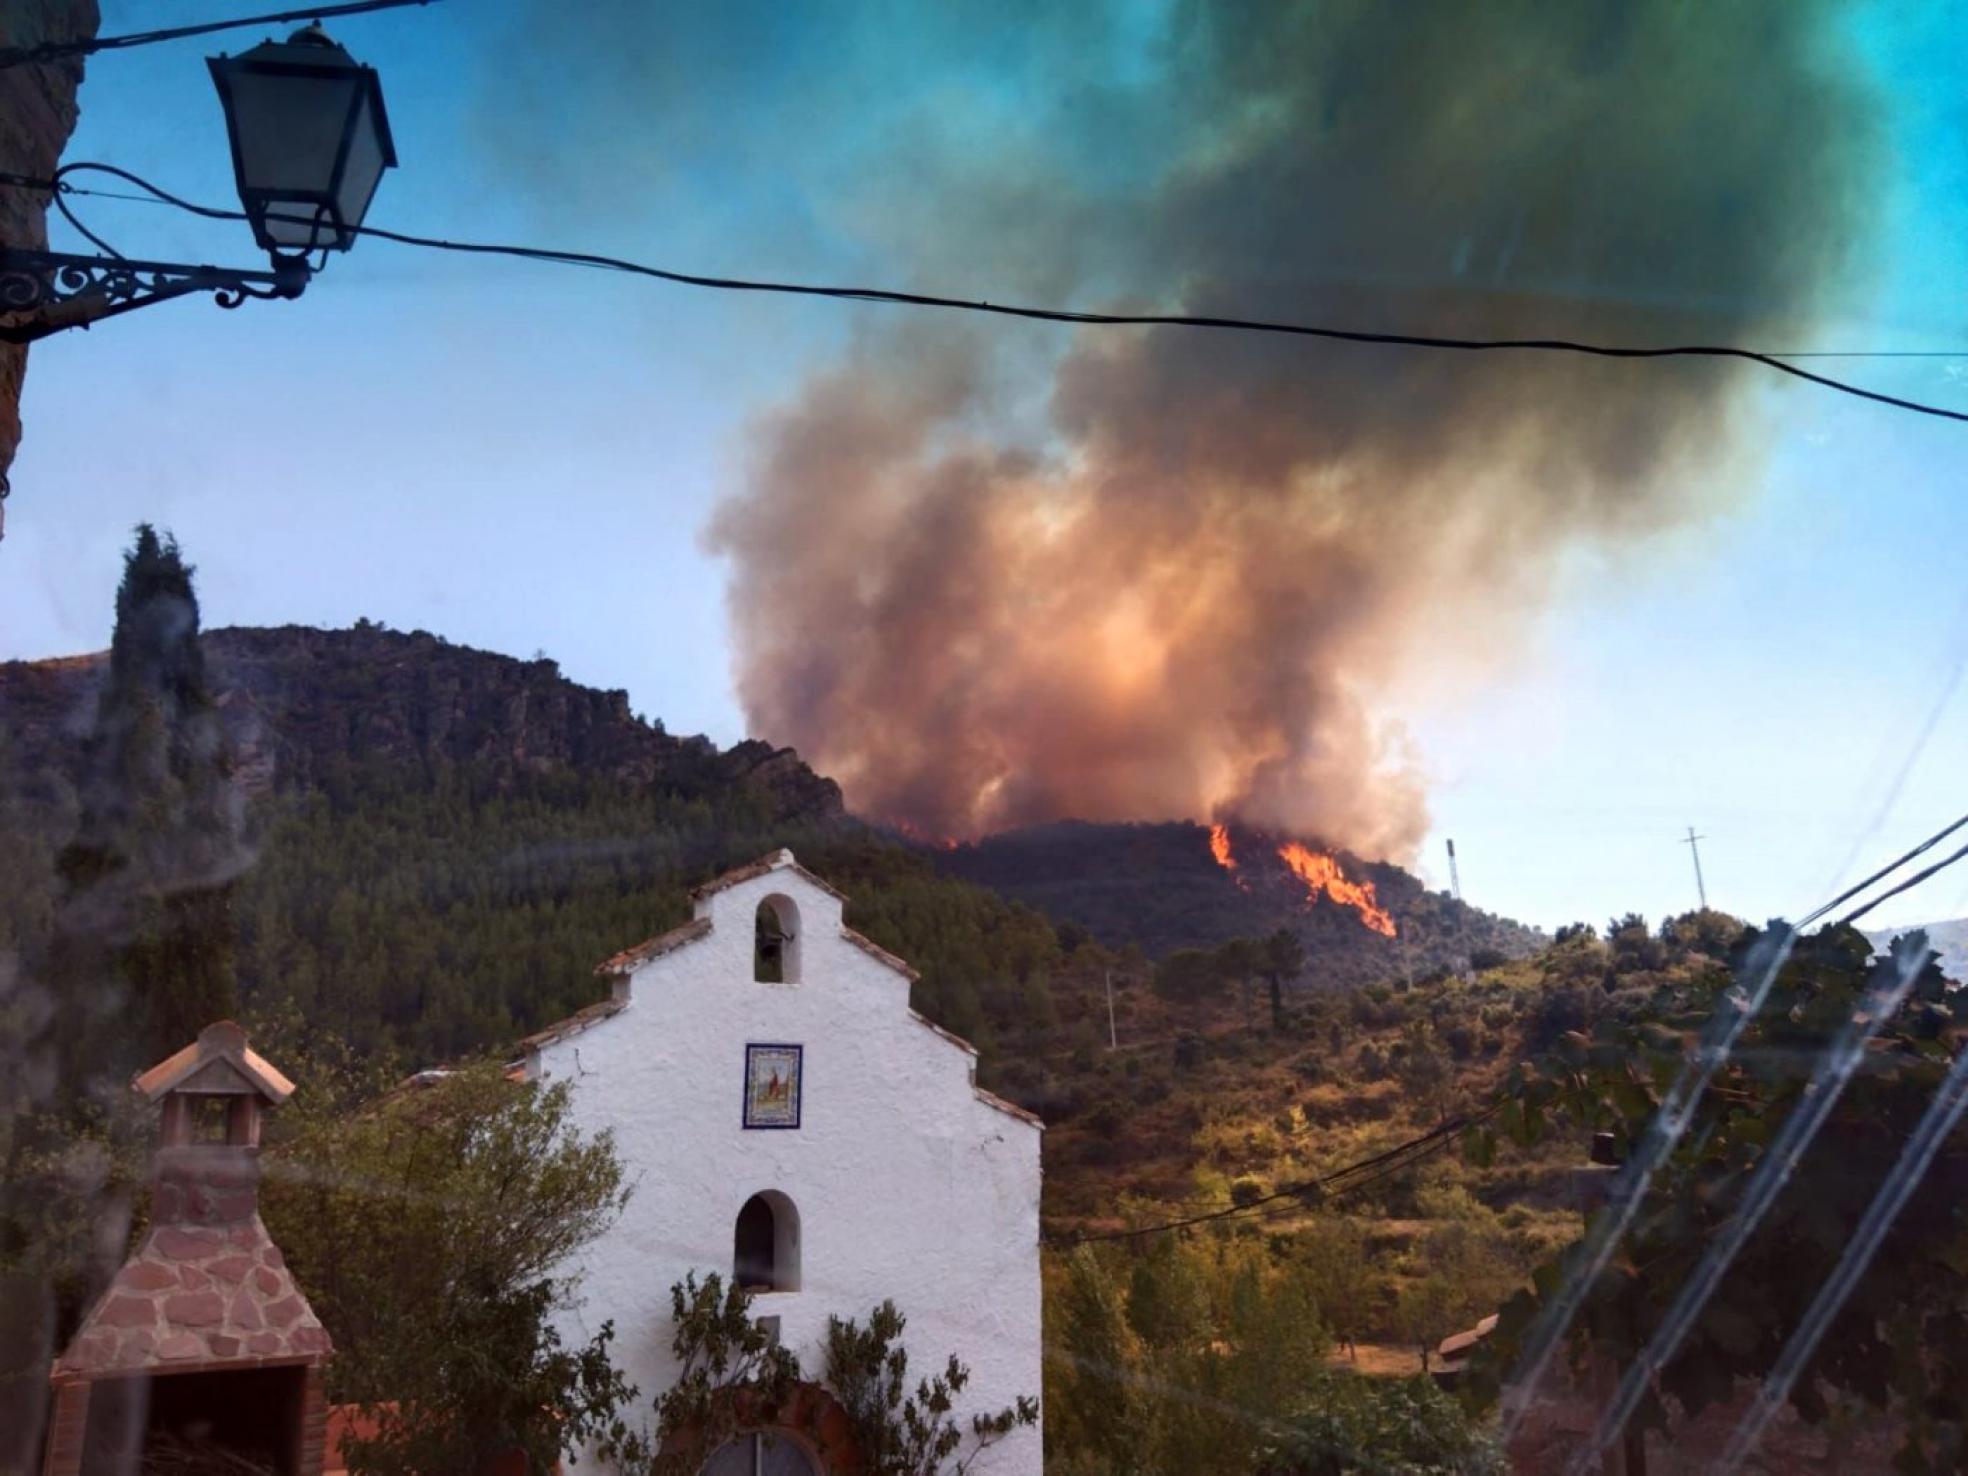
(298, 702)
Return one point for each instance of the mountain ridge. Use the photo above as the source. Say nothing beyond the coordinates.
(447, 839)
(296, 698)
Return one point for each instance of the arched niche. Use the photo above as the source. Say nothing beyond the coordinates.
(765, 1252)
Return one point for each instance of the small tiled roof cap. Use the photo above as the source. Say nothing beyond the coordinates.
(950, 1035)
(989, 1099)
(992, 1099)
(654, 947)
(780, 860)
(223, 1041)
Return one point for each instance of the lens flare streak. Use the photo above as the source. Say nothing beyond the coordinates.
(1772, 1172)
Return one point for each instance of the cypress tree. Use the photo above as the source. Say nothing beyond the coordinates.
(144, 939)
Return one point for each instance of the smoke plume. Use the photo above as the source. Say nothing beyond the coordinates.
(986, 575)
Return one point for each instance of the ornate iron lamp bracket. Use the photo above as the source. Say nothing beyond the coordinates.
(43, 292)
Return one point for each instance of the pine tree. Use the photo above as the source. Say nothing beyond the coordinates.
(143, 949)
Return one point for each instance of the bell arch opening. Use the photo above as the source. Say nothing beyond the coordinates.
(776, 941)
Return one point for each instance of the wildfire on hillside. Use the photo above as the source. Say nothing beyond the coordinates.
(926, 838)
(1220, 848)
(1321, 875)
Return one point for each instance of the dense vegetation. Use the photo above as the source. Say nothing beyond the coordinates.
(431, 909)
(1214, 1357)
(453, 911)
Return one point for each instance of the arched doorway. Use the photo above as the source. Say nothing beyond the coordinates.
(775, 1452)
(806, 1433)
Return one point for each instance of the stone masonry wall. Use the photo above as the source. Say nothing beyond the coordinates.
(37, 114)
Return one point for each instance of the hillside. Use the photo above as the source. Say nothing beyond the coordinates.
(444, 839)
(1160, 887)
(441, 842)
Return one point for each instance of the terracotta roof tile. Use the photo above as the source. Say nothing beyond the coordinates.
(655, 947)
(574, 1024)
(950, 1035)
(780, 860)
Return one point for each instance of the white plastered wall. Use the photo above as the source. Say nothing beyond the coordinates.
(909, 1185)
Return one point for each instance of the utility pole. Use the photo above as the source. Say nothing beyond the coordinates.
(1112, 1043)
(1694, 849)
(1466, 968)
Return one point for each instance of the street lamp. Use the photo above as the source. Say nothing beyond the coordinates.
(310, 142)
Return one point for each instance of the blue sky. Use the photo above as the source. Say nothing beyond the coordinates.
(525, 458)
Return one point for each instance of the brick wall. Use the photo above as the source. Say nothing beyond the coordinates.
(37, 114)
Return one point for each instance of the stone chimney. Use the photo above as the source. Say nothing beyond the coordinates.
(203, 1330)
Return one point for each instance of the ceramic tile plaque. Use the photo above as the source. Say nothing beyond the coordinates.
(772, 1086)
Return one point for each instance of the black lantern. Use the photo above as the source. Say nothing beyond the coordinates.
(310, 140)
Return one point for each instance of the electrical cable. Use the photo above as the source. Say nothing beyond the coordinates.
(1075, 317)
(1852, 891)
(59, 50)
(69, 215)
(1436, 1136)
(1913, 881)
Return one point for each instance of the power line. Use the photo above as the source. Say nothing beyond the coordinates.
(1913, 881)
(1852, 891)
(1071, 316)
(1391, 1160)
(59, 50)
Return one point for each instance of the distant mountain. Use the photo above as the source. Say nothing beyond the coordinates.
(1950, 940)
(1162, 887)
(447, 839)
(302, 703)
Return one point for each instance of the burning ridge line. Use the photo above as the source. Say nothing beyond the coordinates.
(1320, 874)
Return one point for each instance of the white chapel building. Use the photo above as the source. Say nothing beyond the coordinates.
(786, 1118)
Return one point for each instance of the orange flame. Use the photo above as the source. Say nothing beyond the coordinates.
(1220, 847)
(1322, 876)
